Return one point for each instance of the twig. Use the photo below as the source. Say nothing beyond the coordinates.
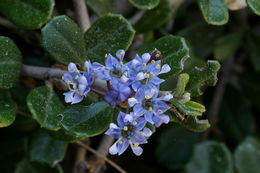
(102, 156)
(218, 95)
(23, 114)
(82, 14)
(80, 162)
(103, 148)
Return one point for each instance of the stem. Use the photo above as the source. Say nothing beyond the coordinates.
(82, 14)
(102, 156)
(80, 163)
(103, 148)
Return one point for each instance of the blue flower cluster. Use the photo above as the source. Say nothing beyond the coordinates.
(138, 83)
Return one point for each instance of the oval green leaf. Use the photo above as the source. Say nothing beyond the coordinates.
(191, 122)
(87, 121)
(210, 157)
(144, 4)
(45, 150)
(247, 156)
(101, 7)
(108, 34)
(214, 12)
(254, 5)
(155, 18)
(45, 107)
(63, 40)
(174, 52)
(7, 109)
(185, 109)
(175, 147)
(205, 76)
(62, 135)
(25, 166)
(28, 14)
(10, 62)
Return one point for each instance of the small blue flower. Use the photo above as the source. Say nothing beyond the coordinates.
(79, 82)
(130, 131)
(114, 70)
(147, 103)
(143, 72)
(117, 94)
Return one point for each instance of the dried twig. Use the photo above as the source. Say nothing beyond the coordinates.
(102, 156)
(103, 148)
(82, 14)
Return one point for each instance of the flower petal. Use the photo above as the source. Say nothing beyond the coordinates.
(77, 98)
(147, 132)
(138, 109)
(137, 150)
(120, 119)
(122, 147)
(120, 54)
(113, 149)
(132, 102)
(146, 57)
(165, 69)
(149, 117)
(72, 67)
(140, 76)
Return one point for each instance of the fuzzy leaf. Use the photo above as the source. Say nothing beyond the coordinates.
(45, 150)
(144, 4)
(247, 156)
(10, 62)
(87, 121)
(7, 109)
(174, 52)
(214, 12)
(153, 19)
(254, 5)
(227, 45)
(28, 14)
(185, 109)
(108, 34)
(101, 7)
(45, 107)
(210, 157)
(25, 166)
(62, 135)
(192, 123)
(63, 40)
(195, 106)
(175, 147)
(201, 77)
(183, 79)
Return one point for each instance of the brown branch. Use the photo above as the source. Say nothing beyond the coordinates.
(80, 165)
(102, 156)
(103, 148)
(82, 14)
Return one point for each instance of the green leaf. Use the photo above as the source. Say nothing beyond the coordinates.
(185, 109)
(155, 18)
(62, 135)
(108, 34)
(200, 38)
(202, 77)
(10, 62)
(63, 40)
(25, 166)
(253, 44)
(28, 14)
(175, 147)
(183, 79)
(247, 157)
(250, 82)
(210, 157)
(45, 150)
(144, 4)
(227, 45)
(101, 7)
(254, 5)
(235, 116)
(45, 107)
(7, 109)
(214, 12)
(174, 52)
(87, 121)
(195, 106)
(191, 122)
